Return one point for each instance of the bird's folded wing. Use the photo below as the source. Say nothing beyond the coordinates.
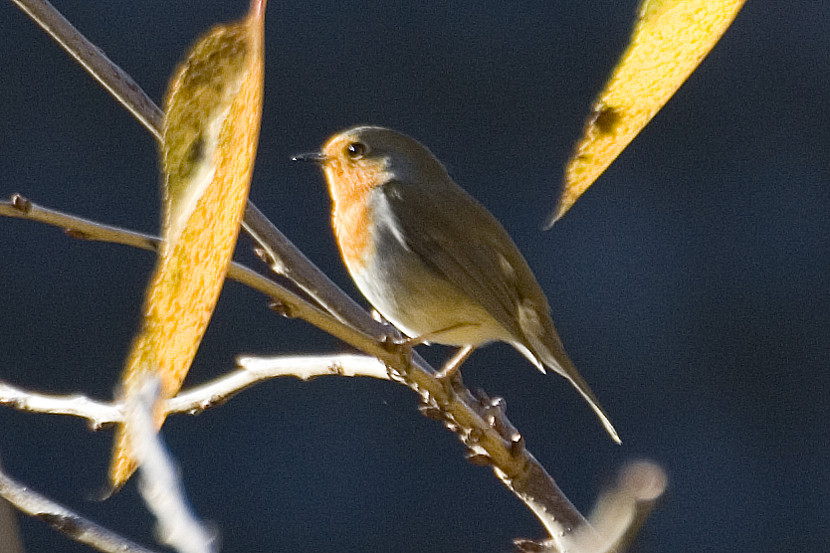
(460, 240)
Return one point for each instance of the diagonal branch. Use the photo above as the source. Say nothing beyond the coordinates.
(114, 79)
(285, 259)
(63, 520)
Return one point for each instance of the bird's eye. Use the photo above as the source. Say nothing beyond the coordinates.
(356, 150)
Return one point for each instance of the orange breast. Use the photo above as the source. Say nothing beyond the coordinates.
(352, 228)
(351, 189)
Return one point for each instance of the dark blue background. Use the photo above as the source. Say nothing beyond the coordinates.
(690, 284)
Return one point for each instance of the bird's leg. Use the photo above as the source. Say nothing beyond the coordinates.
(429, 336)
(425, 338)
(407, 343)
(451, 366)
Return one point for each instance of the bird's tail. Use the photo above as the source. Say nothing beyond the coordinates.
(583, 388)
(563, 365)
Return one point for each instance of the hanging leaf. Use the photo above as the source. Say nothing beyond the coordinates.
(670, 39)
(211, 126)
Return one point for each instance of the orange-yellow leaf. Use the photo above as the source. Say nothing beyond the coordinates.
(670, 39)
(211, 126)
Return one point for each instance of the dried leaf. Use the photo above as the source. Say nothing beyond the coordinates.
(211, 126)
(670, 39)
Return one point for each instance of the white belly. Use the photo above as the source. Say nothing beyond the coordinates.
(416, 300)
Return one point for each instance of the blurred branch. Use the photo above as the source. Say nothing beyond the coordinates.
(620, 511)
(479, 422)
(63, 520)
(159, 482)
(9, 534)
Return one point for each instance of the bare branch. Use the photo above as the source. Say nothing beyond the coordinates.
(63, 520)
(285, 259)
(19, 207)
(618, 514)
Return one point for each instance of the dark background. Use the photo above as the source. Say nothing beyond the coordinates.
(690, 283)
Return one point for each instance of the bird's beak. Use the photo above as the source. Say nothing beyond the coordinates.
(314, 157)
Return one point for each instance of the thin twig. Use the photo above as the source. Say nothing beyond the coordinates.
(289, 302)
(114, 79)
(257, 369)
(63, 520)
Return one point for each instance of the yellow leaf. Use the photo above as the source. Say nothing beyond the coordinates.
(211, 126)
(670, 39)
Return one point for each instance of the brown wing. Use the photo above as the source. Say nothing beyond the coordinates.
(459, 239)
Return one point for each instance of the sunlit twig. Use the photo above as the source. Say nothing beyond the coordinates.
(210, 394)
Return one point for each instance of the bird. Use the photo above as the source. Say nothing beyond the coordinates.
(432, 260)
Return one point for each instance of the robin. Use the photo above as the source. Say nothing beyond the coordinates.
(431, 259)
